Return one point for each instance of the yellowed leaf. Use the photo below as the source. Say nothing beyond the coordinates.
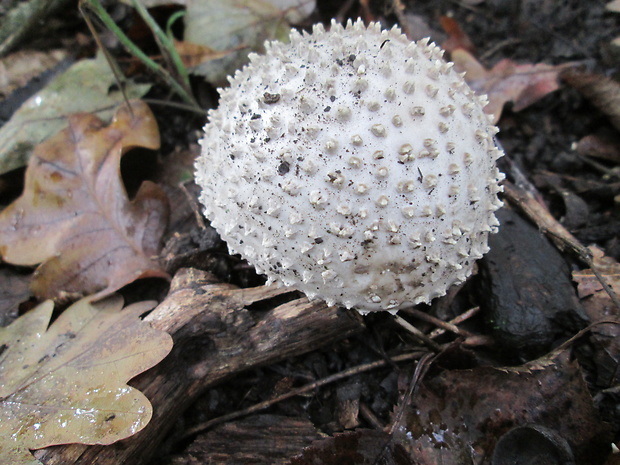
(68, 383)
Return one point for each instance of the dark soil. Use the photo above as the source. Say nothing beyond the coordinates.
(538, 142)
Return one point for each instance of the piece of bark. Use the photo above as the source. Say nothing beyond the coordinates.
(258, 440)
(215, 337)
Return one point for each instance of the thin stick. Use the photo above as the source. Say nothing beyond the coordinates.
(118, 76)
(370, 416)
(295, 392)
(455, 321)
(437, 322)
(417, 333)
(420, 371)
(560, 236)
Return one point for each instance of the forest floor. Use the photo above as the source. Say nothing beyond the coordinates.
(529, 369)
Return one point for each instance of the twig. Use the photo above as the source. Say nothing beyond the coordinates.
(587, 259)
(585, 330)
(560, 236)
(370, 416)
(504, 43)
(598, 166)
(295, 392)
(178, 105)
(456, 321)
(420, 370)
(191, 200)
(437, 322)
(417, 333)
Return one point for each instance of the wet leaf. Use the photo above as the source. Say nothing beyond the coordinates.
(225, 25)
(68, 383)
(87, 86)
(74, 214)
(507, 81)
(457, 416)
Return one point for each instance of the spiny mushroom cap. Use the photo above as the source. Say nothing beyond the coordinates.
(353, 165)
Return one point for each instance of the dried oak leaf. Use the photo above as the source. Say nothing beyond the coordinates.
(599, 307)
(457, 37)
(68, 383)
(74, 216)
(588, 284)
(507, 81)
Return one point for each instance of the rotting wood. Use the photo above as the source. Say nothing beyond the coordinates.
(215, 336)
(271, 439)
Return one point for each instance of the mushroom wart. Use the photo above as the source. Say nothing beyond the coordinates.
(353, 165)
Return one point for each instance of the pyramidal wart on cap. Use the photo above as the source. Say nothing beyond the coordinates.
(353, 165)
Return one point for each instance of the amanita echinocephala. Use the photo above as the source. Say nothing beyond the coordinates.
(353, 165)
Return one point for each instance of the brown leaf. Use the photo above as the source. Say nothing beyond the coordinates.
(75, 216)
(598, 305)
(457, 416)
(603, 92)
(507, 81)
(68, 383)
(589, 285)
(587, 282)
(603, 145)
(193, 54)
(457, 37)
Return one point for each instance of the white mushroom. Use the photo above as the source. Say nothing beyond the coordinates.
(353, 165)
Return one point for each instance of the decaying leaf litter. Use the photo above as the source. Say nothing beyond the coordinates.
(548, 164)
